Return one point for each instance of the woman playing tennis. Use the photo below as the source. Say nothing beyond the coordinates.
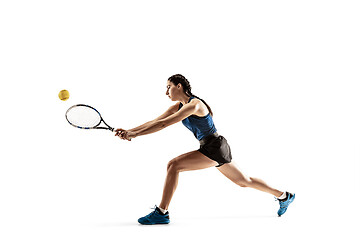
(214, 150)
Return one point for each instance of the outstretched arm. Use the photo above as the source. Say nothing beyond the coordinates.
(161, 123)
(173, 109)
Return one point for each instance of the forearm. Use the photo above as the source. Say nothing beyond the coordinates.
(149, 127)
(141, 126)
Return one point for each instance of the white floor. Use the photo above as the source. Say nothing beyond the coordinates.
(247, 220)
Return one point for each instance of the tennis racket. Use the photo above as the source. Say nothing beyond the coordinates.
(85, 117)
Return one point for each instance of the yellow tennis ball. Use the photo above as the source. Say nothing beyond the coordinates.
(64, 95)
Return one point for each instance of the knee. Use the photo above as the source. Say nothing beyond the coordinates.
(173, 165)
(245, 182)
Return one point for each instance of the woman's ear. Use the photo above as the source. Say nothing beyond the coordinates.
(179, 85)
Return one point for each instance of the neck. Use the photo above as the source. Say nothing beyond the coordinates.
(184, 99)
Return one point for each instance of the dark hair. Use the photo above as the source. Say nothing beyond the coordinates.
(178, 78)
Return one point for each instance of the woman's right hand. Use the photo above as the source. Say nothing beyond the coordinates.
(121, 133)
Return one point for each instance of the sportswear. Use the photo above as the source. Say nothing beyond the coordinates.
(200, 126)
(216, 148)
(284, 204)
(155, 217)
(212, 144)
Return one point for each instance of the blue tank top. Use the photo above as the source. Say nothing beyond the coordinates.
(200, 126)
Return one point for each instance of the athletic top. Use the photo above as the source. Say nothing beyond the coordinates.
(200, 126)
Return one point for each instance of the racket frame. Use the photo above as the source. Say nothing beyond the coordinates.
(94, 127)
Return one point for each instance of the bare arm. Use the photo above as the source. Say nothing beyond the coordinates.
(173, 109)
(161, 123)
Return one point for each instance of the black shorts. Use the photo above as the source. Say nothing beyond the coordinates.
(216, 148)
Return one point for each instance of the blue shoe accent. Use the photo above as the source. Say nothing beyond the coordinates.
(155, 217)
(284, 204)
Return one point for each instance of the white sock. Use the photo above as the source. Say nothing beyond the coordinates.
(283, 196)
(162, 210)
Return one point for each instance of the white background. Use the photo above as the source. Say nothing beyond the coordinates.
(282, 78)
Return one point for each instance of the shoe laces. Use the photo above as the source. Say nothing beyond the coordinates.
(283, 204)
(153, 212)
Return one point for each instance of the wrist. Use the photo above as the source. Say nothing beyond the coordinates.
(135, 134)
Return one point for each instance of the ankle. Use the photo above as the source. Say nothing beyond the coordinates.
(282, 196)
(164, 211)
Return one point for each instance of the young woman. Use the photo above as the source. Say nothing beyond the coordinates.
(214, 150)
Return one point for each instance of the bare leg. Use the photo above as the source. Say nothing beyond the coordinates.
(235, 175)
(189, 161)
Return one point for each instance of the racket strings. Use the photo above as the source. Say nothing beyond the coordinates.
(83, 116)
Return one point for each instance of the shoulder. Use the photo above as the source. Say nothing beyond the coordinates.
(199, 107)
(197, 104)
(195, 101)
(194, 104)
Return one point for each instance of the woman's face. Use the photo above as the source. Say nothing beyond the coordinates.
(172, 91)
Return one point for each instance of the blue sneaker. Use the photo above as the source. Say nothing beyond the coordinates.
(284, 204)
(155, 217)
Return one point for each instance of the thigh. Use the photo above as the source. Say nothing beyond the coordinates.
(233, 173)
(194, 160)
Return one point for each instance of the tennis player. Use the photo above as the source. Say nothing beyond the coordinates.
(214, 150)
